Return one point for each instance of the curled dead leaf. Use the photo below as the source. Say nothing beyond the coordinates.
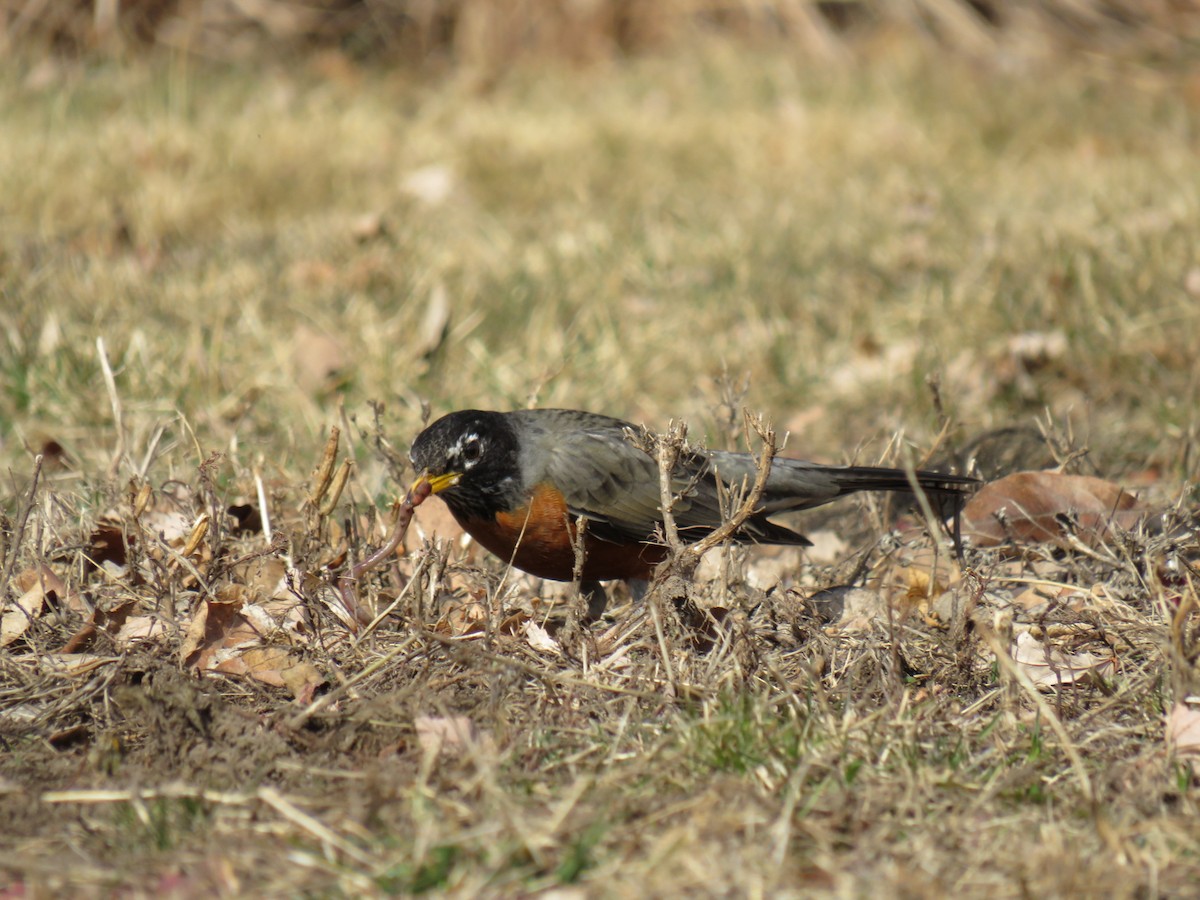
(1037, 507)
(540, 640)
(1183, 726)
(1049, 668)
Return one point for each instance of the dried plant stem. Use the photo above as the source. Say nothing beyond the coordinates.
(19, 535)
(347, 583)
(751, 503)
(114, 400)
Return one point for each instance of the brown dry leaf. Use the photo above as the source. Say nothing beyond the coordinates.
(1049, 668)
(1034, 507)
(43, 576)
(140, 629)
(462, 618)
(312, 273)
(450, 735)
(264, 578)
(22, 612)
(226, 636)
(1183, 726)
(828, 547)
(367, 227)
(106, 545)
(539, 639)
(208, 631)
(286, 615)
(435, 324)
(860, 609)
(318, 359)
(170, 525)
(274, 666)
(918, 592)
(514, 622)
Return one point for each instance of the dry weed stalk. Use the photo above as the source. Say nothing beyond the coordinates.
(668, 449)
(672, 587)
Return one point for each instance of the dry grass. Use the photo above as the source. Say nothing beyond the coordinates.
(488, 36)
(260, 250)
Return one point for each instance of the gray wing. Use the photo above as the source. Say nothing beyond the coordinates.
(615, 486)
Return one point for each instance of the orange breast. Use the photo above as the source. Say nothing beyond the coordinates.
(540, 539)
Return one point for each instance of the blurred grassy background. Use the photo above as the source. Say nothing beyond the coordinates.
(873, 214)
(837, 201)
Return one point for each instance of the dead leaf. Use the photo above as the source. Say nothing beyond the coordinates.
(207, 632)
(139, 629)
(169, 525)
(432, 184)
(227, 636)
(1035, 507)
(828, 547)
(1049, 668)
(435, 324)
(22, 613)
(265, 578)
(514, 622)
(1183, 726)
(274, 666)
(451, 735)
(106, 546)
(461, 618)
(318, 359)
(367, 227)
(540, 640)
(1191, 281)
(851, 608)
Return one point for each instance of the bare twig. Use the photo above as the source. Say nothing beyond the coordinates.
(670, 446)
(750, 505)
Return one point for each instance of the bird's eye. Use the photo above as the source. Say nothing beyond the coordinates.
(472, 450)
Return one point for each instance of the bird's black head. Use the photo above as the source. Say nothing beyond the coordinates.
(471, 458)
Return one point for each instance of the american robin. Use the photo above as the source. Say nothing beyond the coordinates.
(518, 482)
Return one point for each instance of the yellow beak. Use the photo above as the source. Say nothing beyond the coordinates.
(437, 483)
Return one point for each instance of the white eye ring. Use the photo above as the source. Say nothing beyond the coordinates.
(472, 449)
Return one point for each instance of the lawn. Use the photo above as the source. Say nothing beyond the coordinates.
(905, 257)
